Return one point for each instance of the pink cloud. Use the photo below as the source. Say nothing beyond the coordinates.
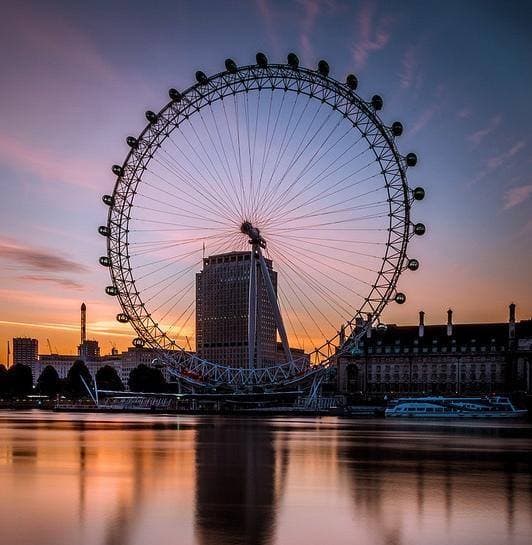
(426, 115)
(424, 119)
(46, 164)
(311, 10)
(497, 160)
(409, 64)
(479, 135)
(54, 280)
(46, 31)
(464, 113)
(373, 33)
(409, 75)
(516, 196)
(267, 15)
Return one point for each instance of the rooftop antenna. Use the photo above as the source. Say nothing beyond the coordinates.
(8, 354)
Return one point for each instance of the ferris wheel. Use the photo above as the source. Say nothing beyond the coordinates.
(286, 166)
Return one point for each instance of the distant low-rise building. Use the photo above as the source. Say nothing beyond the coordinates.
(440, 359)
(124, 363)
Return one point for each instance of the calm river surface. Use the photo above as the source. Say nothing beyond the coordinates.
(94, 479)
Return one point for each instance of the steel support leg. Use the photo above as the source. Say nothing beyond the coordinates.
(273, 300)
(252, 308)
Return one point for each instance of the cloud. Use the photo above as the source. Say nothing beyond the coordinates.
(99, 328)
(373, 33)
(37, 259)
(516, 195)
(46, 164)
(464, 113)
(60, 281)
(267, 15)
(409, 67)
(311, 10)
(495, 161)
(424, 118)
(46, 32)
(428, 113)
(479, 135)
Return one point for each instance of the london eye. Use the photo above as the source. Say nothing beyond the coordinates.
(287, 173)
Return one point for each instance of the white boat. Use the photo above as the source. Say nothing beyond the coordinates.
(454, 407)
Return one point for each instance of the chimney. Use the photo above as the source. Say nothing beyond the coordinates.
(449, 323)
(341, 335)
(421, 330)
(83, 323)
(369, 326)
(511, 322)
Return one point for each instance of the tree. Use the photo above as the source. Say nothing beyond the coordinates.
(146, 379)
(20, 380)
(107, 378)
(49, 383)
(74, 385)
(4, 381)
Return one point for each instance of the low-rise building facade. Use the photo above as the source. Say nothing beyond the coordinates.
(440, 359)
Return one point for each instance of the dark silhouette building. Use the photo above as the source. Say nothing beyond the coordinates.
(440, 359)
(25, 350)
(222, 296)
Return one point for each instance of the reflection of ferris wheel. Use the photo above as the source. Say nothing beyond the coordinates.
(281, 162)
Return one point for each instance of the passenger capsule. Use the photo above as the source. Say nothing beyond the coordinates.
(138, 342)
(411, 159)
(323, 68)
(400, 298)
(104, 230)
(108, 200)
(293, 60)
(419, 229)
(175, 95)
(111, 290)
(132, 142)
(201, 78)
(117, 170)
(418, 193)
(413, 264)
(122, 318)
(351, 81)
(105, 261)
(376, 102)
(152, 117)
(397, 128)
(230, 66)
(262, 60)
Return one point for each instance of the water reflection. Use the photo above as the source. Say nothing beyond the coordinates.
(236, 498)
(462, 475)
(132, 480)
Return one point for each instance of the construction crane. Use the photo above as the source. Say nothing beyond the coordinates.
(114, 350)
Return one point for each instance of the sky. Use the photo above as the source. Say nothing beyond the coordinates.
(78, 76)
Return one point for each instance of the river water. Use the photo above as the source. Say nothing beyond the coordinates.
(96, 479)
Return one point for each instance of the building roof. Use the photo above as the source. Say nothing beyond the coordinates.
(461, 333)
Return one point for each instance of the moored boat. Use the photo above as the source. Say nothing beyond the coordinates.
(454, 407)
